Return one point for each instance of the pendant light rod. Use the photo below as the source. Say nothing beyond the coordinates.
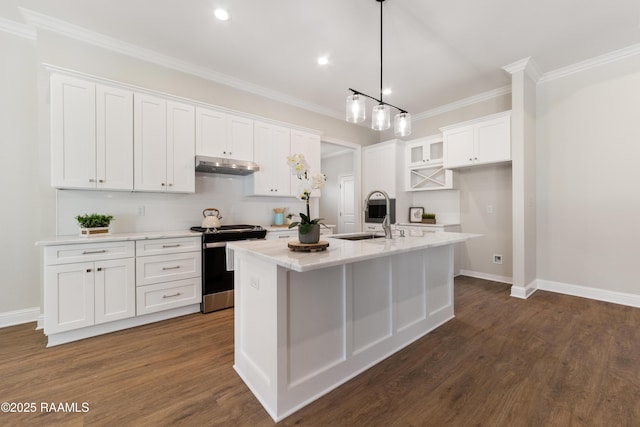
(379, 101)
(381, 1)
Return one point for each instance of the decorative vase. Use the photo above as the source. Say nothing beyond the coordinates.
(312, 236)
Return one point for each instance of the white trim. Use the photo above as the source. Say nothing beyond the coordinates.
(19, 317)
(578, 67)
(484, 96)
(72, 31)
(528, 65)
(18, 29)
(485, 276)
(524, 292)
(615, 297)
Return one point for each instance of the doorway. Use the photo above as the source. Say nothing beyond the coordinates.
(340, 199)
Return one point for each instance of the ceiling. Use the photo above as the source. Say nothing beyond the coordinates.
(435, 52)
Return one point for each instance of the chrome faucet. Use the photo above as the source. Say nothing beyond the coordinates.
(386, 222)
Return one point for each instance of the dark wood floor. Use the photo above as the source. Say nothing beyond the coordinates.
(552, 360)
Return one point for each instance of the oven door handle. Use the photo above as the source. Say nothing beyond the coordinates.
(215, 245)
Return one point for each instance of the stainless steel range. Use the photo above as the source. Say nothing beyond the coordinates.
(217, 281)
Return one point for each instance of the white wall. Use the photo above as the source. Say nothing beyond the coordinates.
(588, 201)
(21, 210)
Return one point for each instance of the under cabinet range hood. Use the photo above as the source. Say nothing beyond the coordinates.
(225, 166)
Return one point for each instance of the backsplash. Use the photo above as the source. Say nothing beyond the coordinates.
(139, 212)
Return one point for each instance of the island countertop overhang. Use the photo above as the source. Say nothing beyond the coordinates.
(343, 251)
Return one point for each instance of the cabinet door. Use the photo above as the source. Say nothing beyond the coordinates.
(114, 138)
(459, 147)
(493, 140)
(211, 133)
(68, 297)
(180, 148)
(150, 143)
(272, 145)
(73, 133)
(115, 290)
(379, 170)
(307, 144)
(240, 138)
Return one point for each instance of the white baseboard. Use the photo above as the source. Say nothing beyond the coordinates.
(622, 298)
(524, 292)
(492, 277)
(19, 317)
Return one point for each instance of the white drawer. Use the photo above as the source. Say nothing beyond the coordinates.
(163, 268)
(164, 296)
(168, 246)
(83, 252)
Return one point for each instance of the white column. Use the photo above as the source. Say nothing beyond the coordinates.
(524, 76)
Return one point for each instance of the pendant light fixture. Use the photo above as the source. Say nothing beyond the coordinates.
(381, 114)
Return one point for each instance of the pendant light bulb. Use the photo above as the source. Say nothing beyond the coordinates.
(402, 124)
(381, 117)
(356, 110)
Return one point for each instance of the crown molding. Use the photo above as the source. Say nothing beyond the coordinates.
(72, 31)
(528, 65)
(588, 64)
(18, 29)
(484, 96)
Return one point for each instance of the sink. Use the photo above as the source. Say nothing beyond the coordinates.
(359, 236)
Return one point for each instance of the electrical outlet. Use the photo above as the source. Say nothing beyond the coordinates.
(497, 259)
(141, 210)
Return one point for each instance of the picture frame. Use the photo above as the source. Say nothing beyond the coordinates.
(415, 214)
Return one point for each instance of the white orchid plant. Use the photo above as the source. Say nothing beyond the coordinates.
(308, 183)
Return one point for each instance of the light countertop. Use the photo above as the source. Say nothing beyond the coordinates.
(343, 251)
(116, 237)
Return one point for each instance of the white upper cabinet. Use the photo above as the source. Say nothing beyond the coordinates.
(114, 138)
(164, 145)
(223, 135)
(425, 151)
(379, 168)
(91, 135)
(307, 144)
(481, 141)
(272, 146)
(424, 165)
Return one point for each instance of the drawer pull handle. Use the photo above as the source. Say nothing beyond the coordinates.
(170, 268)
(283, 237)
(94, 252)
(170, 246)
(177, 294)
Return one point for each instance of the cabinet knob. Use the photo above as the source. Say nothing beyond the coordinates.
(88, 270)
(92, 180)
(475, 158)
(230, 153)
(99, 269)
(101, 180)
(163, 182)
(170, 185)
(470, 159)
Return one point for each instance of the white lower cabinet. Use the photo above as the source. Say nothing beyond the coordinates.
(93, 288)
(81, 294)
(168, 274)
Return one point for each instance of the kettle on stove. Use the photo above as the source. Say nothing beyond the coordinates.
(211, 219)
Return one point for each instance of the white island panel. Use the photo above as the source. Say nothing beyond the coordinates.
(300, 334)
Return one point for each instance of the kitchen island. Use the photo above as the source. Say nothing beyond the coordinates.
(307, 322)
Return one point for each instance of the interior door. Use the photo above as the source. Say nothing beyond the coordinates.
(347, 215)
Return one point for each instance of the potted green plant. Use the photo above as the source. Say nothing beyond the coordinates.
(428, 218)
(94, 224)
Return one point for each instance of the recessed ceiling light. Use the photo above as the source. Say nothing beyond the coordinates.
(387, 91)
(323, 60)
(221, 14)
